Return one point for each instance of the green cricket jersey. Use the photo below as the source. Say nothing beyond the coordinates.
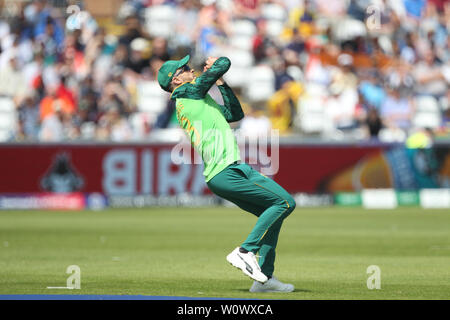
(206, 121)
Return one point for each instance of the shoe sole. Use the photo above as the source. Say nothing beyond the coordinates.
(244, 270)
(271, 291)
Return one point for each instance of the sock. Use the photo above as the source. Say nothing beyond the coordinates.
(242, 250)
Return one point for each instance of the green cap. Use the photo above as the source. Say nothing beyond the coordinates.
(168, 69)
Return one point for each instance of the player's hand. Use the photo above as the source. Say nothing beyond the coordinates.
(220, 82)
(209, 62)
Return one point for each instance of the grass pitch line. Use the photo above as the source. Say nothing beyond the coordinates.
(60, 288)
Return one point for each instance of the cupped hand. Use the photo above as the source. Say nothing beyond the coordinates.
(209, 62)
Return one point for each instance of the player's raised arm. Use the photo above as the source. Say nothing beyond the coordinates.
(231, 109)
(215, 68)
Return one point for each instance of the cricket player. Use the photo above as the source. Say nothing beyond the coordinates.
(206, 123)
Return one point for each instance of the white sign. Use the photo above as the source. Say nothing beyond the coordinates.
(379, 199)
(435, 198)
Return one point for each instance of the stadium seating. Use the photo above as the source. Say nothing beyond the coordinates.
(242, 42)
(276, 17)
(138, 121)
(243, 27)
(349, 29)
(241, 62)
(274, 28)
(8, 118)
(160, 20)
(311, 117)
(392, 135)
(240, 58)
(150, 97)
(88, 131)
(273, 11)
(236, 76)
(427, 114)
(259, 83)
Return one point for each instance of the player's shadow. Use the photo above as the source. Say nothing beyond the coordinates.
(295, 290)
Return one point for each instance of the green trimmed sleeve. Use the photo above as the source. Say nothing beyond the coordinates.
(231, 109)
(209, 77)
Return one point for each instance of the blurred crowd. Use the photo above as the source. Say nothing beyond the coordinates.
(334, 69)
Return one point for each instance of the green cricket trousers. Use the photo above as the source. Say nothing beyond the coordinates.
(253, 192)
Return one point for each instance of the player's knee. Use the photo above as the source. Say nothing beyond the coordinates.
(286, 204)
(290, 203)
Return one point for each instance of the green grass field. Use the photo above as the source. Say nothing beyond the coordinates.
(181, 252)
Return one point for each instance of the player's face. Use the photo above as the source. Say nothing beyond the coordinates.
(185, 74)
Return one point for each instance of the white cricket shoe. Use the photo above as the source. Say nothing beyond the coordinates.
(272, 285)
(247, 263)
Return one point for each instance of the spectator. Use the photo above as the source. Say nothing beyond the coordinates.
(53, 101)
(12, 81)
(373, 93)
(88, 109)
(262, 45)
(186, 15)
(282, 107)
(108, 64)
(160, 49)
(414, 8)
(407, 51)
(212, 30)
(345, 72)
(396, 111)
(421, 139)
(73, 63)
(340, 106)
(20, 25)
(429, 77)
(246, 9)
(281, 74)
(120, 129)
(139, 56)
(33, 69)
(63, 92)
(296, 43)
(155, 65)
(114, 95)
(439, 4)
(164, 119)
(315, 70)
(331, 8)
(113, 126)
(373, 124)
(53, 123)
(133, 31)
(28, 114)
(46, 27)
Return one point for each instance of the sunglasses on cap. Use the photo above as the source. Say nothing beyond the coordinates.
(184, 68)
